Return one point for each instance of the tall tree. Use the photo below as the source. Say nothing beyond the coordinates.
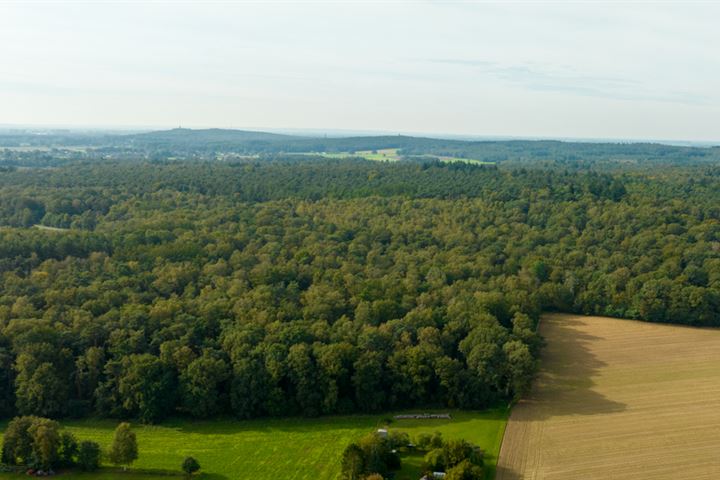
(201, 384)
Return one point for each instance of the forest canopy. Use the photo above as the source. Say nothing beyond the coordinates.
(142, 288)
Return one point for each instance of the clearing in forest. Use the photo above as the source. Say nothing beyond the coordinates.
(618, 399)
(392, 155)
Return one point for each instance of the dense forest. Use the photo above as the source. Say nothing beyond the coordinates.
(289, 285)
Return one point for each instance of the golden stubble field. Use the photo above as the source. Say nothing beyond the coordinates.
(618, 399)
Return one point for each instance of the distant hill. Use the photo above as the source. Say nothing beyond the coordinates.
(207, 143)
(492, 150)
(197, 137)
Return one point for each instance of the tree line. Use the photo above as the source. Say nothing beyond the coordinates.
(41, 445)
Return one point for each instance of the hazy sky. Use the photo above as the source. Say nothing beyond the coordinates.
(600, 70)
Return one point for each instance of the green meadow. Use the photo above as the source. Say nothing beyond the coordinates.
(384, 155)
(270, 449)
(392, 155)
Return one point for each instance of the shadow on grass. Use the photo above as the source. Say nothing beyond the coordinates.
(209, 476)
(565, 383)
(230, 426)
(132, 472)
(113, 473)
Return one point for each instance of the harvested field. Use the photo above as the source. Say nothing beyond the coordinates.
(618, 399)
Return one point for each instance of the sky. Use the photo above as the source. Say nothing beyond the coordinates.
(618, 70)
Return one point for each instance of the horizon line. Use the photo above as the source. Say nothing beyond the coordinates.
(319, 132)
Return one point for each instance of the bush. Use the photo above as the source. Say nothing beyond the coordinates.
(465, 470)
(398, 439)
(46, 442)
(17, 441)
(422, 441)
(436, 441)
(88, 457)
(435, 460)
(190, 466)
(68, 449)
(455, 451)
(353, 462)
(33, 441)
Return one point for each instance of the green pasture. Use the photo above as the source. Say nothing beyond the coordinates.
(270, 449)
(391, 155)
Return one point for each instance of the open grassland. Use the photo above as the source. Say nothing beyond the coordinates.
(383, 155)
(392, 155)
(271, 449)
(618, 399)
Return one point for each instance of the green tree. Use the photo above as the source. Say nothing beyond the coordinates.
(147, 387)
(200, 385)
(457, 450)
(520, 366)
(68, 450)
(7, 394)
(398, 439)
(303, 373)
(353, 462)
(46, 441)
(434, 460)
(124, 448)
(465, 470)
(41, 387)
(368, 381)
(250, 388)
(88, 368)
(89, 455)
(379, 457)
(18, 441)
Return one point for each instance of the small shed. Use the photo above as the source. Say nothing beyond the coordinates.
(433, 476)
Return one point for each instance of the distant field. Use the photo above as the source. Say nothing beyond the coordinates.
(618, 399)
(35, 148)
(50, 229)
(385, 155)
(273, 449)
(391, 155)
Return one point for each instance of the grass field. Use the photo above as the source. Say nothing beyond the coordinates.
(618, 399)
(391, 155)
(272, 449)
(384, 155)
